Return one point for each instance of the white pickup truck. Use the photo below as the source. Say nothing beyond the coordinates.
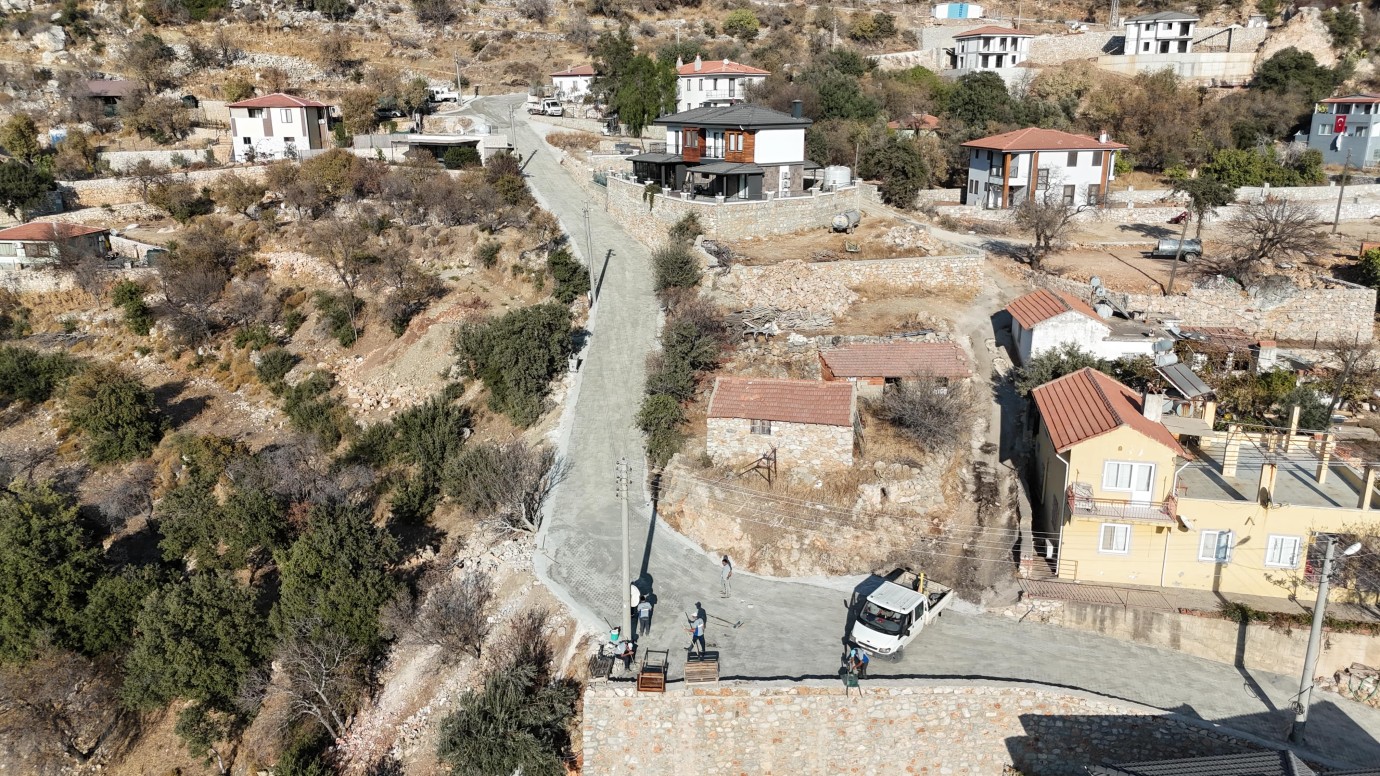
(895, 612)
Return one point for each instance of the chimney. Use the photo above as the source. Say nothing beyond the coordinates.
(1152, 406)
(699, 63)
(725, 62)
(796, 108)
(680, 62)
(1266, 355)
(1102, 138)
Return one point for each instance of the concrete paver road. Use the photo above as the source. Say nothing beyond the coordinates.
(794, 628)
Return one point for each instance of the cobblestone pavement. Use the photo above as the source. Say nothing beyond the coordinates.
(794, 628)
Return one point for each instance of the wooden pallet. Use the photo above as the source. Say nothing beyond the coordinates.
(702, 669)
(652, 677)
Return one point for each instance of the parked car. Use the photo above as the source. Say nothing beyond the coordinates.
(1168, 249)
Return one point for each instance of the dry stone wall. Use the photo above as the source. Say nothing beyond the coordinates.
(924, 728)
(798, 445)
(120, 191)
(1273, 309)
(648, 222)
(827, 285)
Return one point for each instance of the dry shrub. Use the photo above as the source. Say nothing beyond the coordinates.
(573, 141)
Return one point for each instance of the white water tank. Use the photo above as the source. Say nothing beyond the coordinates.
(837, 176)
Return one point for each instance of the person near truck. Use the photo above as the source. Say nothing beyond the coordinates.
(857, 662)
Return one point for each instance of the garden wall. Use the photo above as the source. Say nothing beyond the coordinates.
(120, 191)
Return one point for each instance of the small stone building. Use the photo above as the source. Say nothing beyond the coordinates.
(810, 425)
(39, 242)
(873, 365)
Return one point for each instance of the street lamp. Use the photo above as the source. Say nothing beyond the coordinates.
(1310, 659)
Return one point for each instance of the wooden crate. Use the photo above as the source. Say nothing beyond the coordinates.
(652, 677)
(702, 669)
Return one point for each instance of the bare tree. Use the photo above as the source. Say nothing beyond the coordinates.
(935, 415)
(61, 710)
(1048, 218)
(147, 176)
(80, 258)
(455, 614)
(509, 482)
(1272, 230)
(323, 674)
(340, 244)
(129, 497)
(1355, 372)
(536, 10)
(192, 293)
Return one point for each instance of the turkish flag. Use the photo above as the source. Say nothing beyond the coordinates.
(1339, 125)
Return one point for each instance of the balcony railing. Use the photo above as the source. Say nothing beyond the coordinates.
(1121, 509)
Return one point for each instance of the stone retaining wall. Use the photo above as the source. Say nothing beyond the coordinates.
(815, 728)
(121, 191)
(37, 281)
(1259, 645)
(124, 160)
(1124, 212)
(728, 220)
(934, 273)
(1331, 311)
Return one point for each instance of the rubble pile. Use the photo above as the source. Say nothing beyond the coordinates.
(913, 239)
(918, 488)
(1360, 683)
(791, 285)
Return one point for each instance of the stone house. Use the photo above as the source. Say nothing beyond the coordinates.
(277, 126)
(38, 242)
(1005, 170)
(573, 83)
(1046, 320)
(874, 365)
(701, 84)
(810, 425)
(734, 152)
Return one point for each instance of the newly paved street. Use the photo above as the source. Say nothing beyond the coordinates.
(792, 629)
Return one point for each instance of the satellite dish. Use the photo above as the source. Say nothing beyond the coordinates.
(1186, 523)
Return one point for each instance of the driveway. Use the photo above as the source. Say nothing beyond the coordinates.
(793, 628)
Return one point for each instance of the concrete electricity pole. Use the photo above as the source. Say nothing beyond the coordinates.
(589, 261)
(624, 475)
(1341, 192)
(1310, 658)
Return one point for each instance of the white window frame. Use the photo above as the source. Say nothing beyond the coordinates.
(1131, 488)
(1324, 129)
(1281, 540)
(1216, 536)
(762, 427)
(1121, 529)
(285, 115)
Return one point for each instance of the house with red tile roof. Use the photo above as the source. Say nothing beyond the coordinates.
(989, 48)
(572, 84)
(702, 84)
(1007, 169)
(806, 424)
(1045, 320)
(38, 242)
(277, 126)
(873, 365)
(915, 124)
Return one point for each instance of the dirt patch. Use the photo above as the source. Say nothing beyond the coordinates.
(875, 238)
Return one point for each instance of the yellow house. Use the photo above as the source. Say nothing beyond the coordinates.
(1131, 496)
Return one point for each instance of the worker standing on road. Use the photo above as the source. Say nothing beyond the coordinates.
(696, 630)
(725, 574)
(644, 617)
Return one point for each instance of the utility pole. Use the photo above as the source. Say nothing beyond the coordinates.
(1310, 660)
(624, 475)
(1341, 192)
(458, 87)
(589, 261)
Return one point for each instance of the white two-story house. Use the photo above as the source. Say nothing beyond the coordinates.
(1166, 32)
(738, 152)
(277, 126)
(1006, 169)
(701, 84)
(989, 48)
(572, 85)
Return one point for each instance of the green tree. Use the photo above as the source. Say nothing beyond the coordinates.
(1205, 193)
(675, 266)
(150, 60)
(128, 295)
(572, 279)
(1291, 70)
(116, 415)
(1313, 411)
(336, 575)
(645, 91)
(1054, 364)
(613, 55)
(22, 187)
(1368, 268)
(47, 563)
(901, 169)
(1344, 27)
(742, 24)
(19, 137)
(979, 99)
(113, 605)
(841, 96)
(197, 639)
(515, 723)
(660, 417)
(30, 376)
(517, 356)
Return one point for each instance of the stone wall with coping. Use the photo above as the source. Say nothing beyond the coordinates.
(38, 281)
(625, 201)
(124, 160)
(1332, 310)
(813, 727)
(807, 446)
(1260, 646)
(1125, 212)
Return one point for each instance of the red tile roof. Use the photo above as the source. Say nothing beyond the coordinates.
(1036, 139)
(1088, 403)
(787, 401)
(1362, 97)
(993, 29)
(43, 230)
(898, 359)
(278, 100)
(717, 67)
(1039, 306)
(576, 70)
(915, 121)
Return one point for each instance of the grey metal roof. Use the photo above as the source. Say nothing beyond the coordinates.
(1185, 381)
(1165, 16)
(740, 115)
(1250, 764)
(727, 168)
(657, 158)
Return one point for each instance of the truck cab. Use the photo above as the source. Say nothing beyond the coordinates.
(896, 611)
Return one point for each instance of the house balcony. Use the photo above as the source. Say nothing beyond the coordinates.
(1082, 506)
